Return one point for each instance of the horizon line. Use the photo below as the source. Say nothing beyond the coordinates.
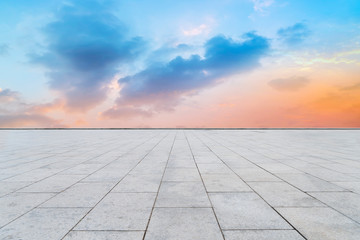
(193, 128)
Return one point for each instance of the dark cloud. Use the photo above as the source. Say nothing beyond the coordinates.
(295, 34)
(289, 84)
(86, 45)
(161, 86)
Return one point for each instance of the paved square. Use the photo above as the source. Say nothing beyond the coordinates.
(180, 184)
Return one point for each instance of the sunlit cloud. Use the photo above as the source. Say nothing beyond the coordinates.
(29, 120)
(7, 95)
(15, 112)
(161, 87)
(202, 29)
(289, 84)
(342, 57)
(105, 63)
(353, 87)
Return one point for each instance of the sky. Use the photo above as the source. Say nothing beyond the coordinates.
(179, 64)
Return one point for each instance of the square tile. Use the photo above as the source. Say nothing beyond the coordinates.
(245, 211)
(183, 223)
(182, 194)
(120, 211)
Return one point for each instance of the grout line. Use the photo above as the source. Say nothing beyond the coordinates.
(157, 193)
(115, 185)
(39, 207)
(63, 189)
(254, 191)
(258, 229)
(207, 193)
(289, 183)
(59, 173)
(107, 230)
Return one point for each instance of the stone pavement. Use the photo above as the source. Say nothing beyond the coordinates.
(180, 184)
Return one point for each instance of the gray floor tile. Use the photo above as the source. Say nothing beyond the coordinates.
(45, 223)
(180, 163)
(120, 211)
(80, 195)
(245, 211)
(184, 224)
(83, 169)
(56, 183)
(279, 194)
(342, 168)
(207, 159)
(108, 174)
(271, 161)
(214, 169)
(224, 183)
(33, 175)
(182, 194)
(9, 187)
(139, 183)
(262, 235)
(104, 235)
(308, 183)
(278, 168)
(14, 205)
(255, 174)
(321, 223)
(329, 175)
(181, 174)
(345, 202)
(351, 186)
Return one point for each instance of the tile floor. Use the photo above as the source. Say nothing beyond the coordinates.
(180, 184)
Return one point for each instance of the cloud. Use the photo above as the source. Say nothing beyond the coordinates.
(161, 86)
(289, 84)
(355, 86)
(15, 112)
(86, 46)
(28, 120)
(169, 51)
(7, 95)
(261, 5)
(10, 101)
(294, 34)
(125, 112)
(56, 104)
(4, 49)
(203, 28)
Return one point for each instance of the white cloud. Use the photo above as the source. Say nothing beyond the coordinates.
(261, 5)
(203, 28)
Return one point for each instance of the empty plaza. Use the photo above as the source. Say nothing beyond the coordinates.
(180, 184)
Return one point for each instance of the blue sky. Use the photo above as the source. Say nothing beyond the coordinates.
(144, 58)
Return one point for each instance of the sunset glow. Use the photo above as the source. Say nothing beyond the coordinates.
(243, 63)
